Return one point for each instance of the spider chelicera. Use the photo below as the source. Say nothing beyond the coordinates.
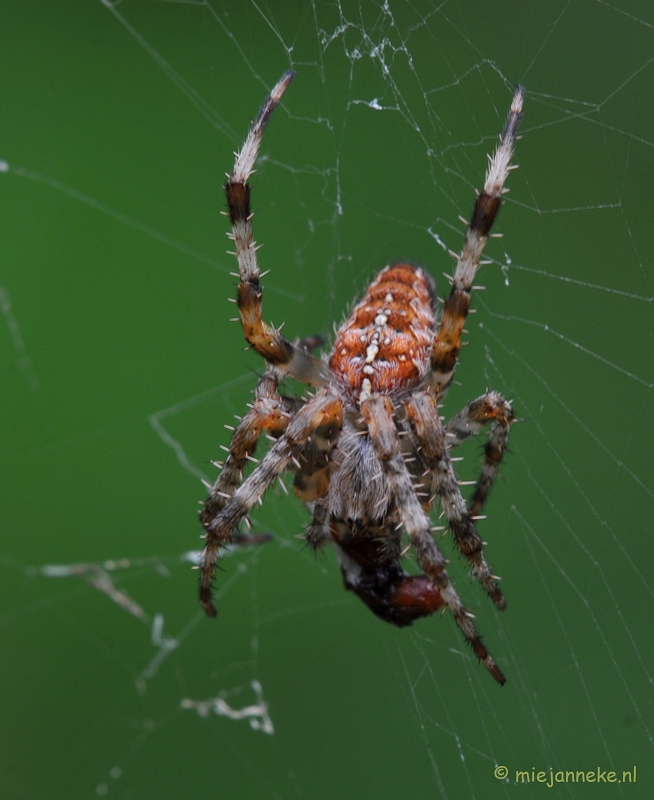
(369, 452)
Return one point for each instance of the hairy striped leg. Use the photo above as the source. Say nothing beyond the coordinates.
(446, 346)
(318, 532)
(313, 463)
(265, 339)
(430, 436)
(324, 409)
(489, 408)
(378, 413)
(271, 413)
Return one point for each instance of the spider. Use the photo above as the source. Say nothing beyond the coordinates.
(369, 452)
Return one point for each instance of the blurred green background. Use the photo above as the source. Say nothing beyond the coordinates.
(120, 367)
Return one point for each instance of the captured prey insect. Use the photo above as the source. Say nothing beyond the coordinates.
(369, 452)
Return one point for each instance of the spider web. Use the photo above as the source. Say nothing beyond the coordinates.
(121, 366)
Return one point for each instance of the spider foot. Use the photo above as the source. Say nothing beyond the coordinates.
(463, 619)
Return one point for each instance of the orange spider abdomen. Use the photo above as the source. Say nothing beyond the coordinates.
(384, 346)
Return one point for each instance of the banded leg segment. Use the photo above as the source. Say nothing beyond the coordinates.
(489, 408)
(430, 436)
(319, 531)
(265, 339)
(323, 410)
(270, 413)
(378, 413)
(446, 346)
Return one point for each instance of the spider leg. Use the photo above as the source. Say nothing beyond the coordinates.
(319, 531)
(322, 410)
(309, 343)
(270, 412)
(447, 343)
(311, 483)
(378, 413)
(490, 407)
(430, 436)
(265, 339)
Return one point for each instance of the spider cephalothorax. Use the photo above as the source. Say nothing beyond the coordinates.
(369, 452)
